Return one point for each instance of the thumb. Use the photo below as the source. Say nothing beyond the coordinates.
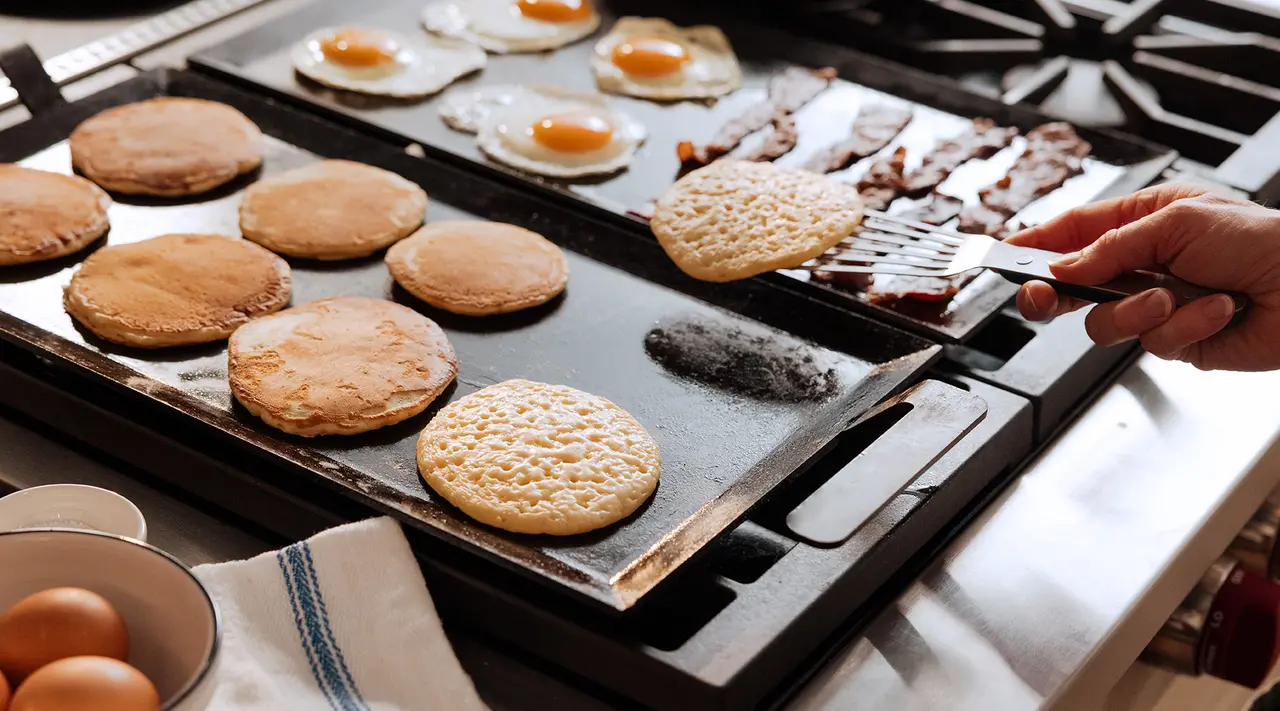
(1136, 245)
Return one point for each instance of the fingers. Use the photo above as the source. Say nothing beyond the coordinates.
(1037, 301)
(1078, 228)
(1120, 321)
(1188, 326)
(1141, 244)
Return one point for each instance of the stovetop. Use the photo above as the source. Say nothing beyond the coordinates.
(1160, 69)
(1062, 67)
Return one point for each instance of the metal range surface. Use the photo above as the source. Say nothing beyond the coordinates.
(261, 57)
(728, 436)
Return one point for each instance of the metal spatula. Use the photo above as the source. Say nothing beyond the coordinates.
(889, 245)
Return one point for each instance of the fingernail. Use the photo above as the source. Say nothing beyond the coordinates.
(1157, 304)
(1223, 306)
(1066, 260)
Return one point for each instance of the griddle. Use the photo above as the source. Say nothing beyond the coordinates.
(629, 327)
(1120, 164)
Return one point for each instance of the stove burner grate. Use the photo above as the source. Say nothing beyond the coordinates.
(1196, 75)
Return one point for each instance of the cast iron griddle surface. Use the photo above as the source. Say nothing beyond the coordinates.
(262, 58)
(727, 435)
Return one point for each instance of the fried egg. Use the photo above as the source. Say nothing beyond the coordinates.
(506, 26)
(547, 130)
(654, 59)
(384, 63)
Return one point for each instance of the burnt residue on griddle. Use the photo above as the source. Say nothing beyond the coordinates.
(730, 359)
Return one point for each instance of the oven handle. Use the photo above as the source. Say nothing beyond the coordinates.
(35, 88)
(940, 416)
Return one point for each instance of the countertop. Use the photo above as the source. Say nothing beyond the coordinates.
(1042, 603)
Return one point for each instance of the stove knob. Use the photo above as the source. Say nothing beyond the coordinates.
(1228, 627)
(1255, 546)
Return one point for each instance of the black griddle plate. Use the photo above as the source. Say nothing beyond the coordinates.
(728, 436)
(1119, 165)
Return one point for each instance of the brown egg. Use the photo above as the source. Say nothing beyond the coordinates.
(86, 684)
(55, 624)
(4, 693)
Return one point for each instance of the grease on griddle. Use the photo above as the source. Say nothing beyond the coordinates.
(735, 361)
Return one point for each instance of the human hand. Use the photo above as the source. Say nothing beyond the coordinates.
(1209, 240)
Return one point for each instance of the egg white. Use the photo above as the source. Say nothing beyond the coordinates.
(465, 108)
(423, 66)
(499, 26)
(712, 70)
(503, 132)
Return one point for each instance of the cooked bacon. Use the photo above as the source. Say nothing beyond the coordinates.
(845, 280)
(892, 287)
(940, 209)
(1054, 153)
(778, 143)
(789, 89)
(1058, 137)
(883, 180)
(983, 140)
(1028, 181)
(982, 220)
(873, 128)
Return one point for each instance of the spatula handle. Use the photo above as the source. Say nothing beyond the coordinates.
(1023, 264)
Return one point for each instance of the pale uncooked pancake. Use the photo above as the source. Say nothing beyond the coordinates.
(534, 458)
(478, 268)
(46, 215)
(340, 366)
(169, 147)
(333, 209)
(176, 289)
(734, 219)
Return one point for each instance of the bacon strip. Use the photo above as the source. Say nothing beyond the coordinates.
(873, 128)
(1054, 153)
(982, 220)
(983, 140)
(883, 180)
(778, 143)
(939, 210)
(790, 89)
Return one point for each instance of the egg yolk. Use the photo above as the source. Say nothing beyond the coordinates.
(360, 48)
(578, 132)
(649, 56)
(555, 10)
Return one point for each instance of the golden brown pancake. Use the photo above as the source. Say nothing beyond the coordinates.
(334, 209)
(529, 457)
(734, 219)
(169, 147)
(339, 366)
(45, 215)
(478, 268)
(176, 289)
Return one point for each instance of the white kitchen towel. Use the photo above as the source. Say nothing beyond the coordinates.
(340, 622)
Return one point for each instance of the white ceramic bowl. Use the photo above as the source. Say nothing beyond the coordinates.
(174, 628)
(72, 506)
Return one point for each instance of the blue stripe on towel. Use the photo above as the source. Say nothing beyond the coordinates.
(297, 621)
(328, 630)
(311, 617)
